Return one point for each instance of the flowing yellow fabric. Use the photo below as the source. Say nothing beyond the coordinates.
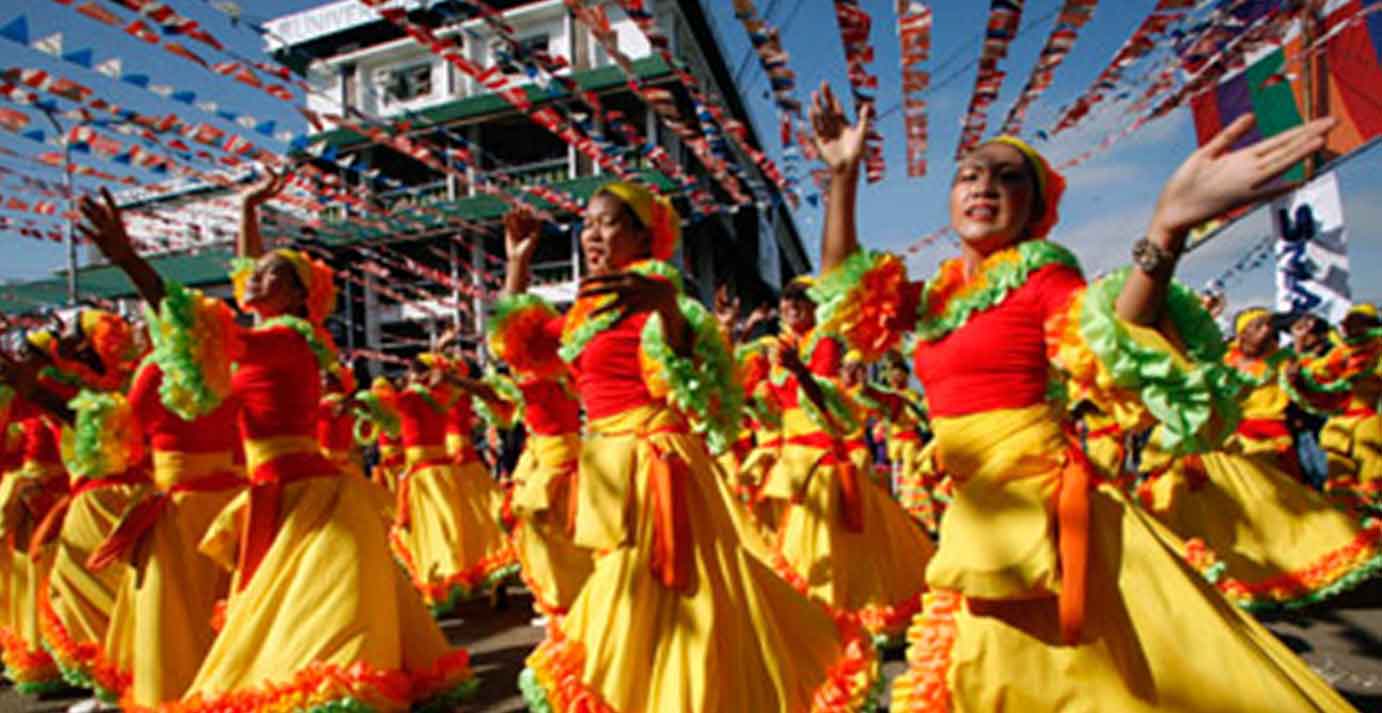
(325, 593)
(1352, 440)
(554, 568)
(451, 543)
(80, 599)
(26, 662)
(875, 571)
(739, 639)
(160, 628)
(1146, 607)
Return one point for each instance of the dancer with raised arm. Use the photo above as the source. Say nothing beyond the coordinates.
(1049, 591)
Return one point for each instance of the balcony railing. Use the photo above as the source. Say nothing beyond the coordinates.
(548, 171)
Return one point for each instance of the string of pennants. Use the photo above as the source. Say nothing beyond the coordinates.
(1005, 16)
(855, 24)
(1142, 42)
(1074, 14)
(914, 40)
(1261, 253)
(766, 41)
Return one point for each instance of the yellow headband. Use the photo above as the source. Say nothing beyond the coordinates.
(1246, 317)
(655, 212)
(317, 278)
(1364, 308)
(41, 339)
(853, 357)
(1050, 183)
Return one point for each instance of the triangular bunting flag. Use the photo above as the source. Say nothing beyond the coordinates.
(52, 44)
(17, 30)
(81, 58)
(112, 68)
(138, 80)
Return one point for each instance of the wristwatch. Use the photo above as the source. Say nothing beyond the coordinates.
(1152, 258)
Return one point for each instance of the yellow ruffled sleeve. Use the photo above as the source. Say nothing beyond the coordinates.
(1172, 376)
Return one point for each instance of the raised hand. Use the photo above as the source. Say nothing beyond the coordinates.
(103, 225)
(521, 228)
(269, 186)
(839, 143)
(1215, 180)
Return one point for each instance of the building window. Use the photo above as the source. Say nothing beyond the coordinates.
(408, 83)
(505, 60)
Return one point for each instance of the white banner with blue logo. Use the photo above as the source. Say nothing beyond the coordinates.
(1312, 250)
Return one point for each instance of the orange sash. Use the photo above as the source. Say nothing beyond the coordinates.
(142, 516)
(1072, 513)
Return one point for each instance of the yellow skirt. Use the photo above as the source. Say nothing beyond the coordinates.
(553, 567)
(731, 637)
(1353, 445)
(1145, 608)
(451, 543)
(75, 603)
(27, 665)
(1262, 537)
(877, 572)
(917, 489)
(325, 617)
(161, 626)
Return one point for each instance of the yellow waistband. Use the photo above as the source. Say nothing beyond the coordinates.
(173, 467)
(1004, 443)
(259, 451)
(412, 455)
(640, 419)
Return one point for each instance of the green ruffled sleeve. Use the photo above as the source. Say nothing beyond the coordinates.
(511, 409)
(103, 439)
(1138, 376)
(518, 336)
(195, 339)
(868, 302)
(704, 385)
(374, 416)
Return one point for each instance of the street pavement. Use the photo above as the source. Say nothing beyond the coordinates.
(1341, 640)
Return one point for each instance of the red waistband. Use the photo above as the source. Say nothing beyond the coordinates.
(1263, 428)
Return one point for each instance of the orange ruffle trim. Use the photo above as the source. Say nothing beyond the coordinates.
(1293, 588)
(82, 663)
(546, 606)
(320, 684)
(26, 664)
(925, 687)
(885, 620)
(558, 663)
(464, 583)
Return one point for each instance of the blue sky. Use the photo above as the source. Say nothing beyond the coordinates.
(1105, 210)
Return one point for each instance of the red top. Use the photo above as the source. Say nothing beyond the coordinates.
(420, 423)
(278, 384)
(609, 378)
(40, 434)
(214, 432)
(336, 431)
(460, 418)
(549, 409)
(826, 360)
(998, 358)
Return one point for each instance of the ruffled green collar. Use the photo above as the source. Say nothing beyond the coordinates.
(949, 300)
(582, 324)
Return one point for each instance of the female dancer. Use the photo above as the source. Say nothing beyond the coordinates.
(318, 616)
(843, 540)
(678, 616)
(27, 494)
(104, 455)
(1048, 591)
(1352, 437)
(1261, 535)
(446, 529)
(543, 500)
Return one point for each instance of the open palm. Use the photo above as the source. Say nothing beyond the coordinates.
(839, 143)
(1215, 180)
